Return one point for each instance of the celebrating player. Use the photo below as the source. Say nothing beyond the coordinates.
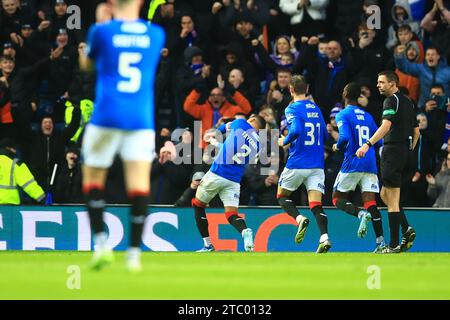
(224, 177)
(305, 165)
(126, 53)
(355, 127)
(400, 132)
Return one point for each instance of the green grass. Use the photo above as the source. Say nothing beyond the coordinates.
(43, 275)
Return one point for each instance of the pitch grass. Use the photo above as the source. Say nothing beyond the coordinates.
(44, 275)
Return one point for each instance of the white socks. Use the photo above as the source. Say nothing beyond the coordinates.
(207, 241)
(134, 253)
(100, 241)
(323, 237)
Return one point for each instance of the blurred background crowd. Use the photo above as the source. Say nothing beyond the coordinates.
(226, 59)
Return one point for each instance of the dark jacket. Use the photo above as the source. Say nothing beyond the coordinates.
(168, 182)
(46, 151)
(367, 62)
(425, 153)
(441, 190)
(68, 185)
(61, 72)
(9, 24)
(265, 196)
(328, 79)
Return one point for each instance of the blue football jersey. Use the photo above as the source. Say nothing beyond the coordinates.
(240, 147)
(356, 126)
(307, 134)
(126, 55)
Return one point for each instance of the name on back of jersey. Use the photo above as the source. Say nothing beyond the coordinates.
(360, 114)
(251, 140)
(131, 41)
(312, 115)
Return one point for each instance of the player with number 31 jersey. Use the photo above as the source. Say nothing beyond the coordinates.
(305, 165)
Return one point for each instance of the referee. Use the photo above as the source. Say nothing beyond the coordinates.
(400, 131)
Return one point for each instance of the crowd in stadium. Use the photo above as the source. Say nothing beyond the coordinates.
(222, 60)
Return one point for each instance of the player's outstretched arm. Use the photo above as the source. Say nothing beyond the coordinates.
(86, 64)
(344, 133)
(295, 131)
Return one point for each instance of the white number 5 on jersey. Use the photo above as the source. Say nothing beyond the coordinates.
(126, 70)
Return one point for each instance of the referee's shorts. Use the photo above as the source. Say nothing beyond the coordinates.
(397, 164)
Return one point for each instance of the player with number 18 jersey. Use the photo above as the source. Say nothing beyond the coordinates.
(356, 126)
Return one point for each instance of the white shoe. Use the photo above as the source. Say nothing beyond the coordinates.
(134, 264)
(247, 234)
(101, 258)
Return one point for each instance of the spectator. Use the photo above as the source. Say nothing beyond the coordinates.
(10, 21)
(284, 55)
(369, 99)
(327, 74)
(425, 163)
(401, 16)
(7, 127)
(433, 71)
(307, 16)
(415, 54)
(9, 49)
(61, 73)
(268, 113)
(367, 57)
(195, 74)
(232, 57)
(47, 146)
(32, 49)
(68, 180)
(264, 185)
(241, 34)
(344, 17)
(279, 96)
(168, 179)
(332, 127)
(446, 139)
(439, 186)
(215, 108)
(436, 112)
(188, 36)
(189, 194)
(235, 81)
(13, 174)
(278, 21)
(437, 23)
(59, 20)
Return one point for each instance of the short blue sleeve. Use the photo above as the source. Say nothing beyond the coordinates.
(93, 42)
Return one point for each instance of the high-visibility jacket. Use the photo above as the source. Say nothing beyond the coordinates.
(87, 108)
(15, 174)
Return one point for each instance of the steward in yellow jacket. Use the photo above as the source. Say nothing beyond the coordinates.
(14, 174)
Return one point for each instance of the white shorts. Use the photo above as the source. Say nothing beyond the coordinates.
(313, 179)
(212, 185)
(100, 145)
(346, 182)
